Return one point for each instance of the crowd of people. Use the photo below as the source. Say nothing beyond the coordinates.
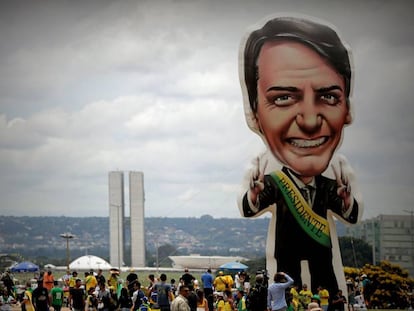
(220, 292)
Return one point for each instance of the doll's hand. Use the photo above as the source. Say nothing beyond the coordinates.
(343, 172)
(256, 179)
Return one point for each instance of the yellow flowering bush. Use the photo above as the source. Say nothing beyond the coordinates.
(388, 287)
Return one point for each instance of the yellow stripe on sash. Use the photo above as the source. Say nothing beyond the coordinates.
(314, 225)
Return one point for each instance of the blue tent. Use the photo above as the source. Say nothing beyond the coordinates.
(25, 266)
(234, 266)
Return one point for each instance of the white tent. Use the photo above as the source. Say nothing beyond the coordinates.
(89, 262)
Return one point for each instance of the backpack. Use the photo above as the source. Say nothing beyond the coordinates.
(141, 299)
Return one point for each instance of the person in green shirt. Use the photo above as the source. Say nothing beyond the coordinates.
(241, 300)
(56, 296)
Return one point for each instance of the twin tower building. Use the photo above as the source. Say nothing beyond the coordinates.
(117, 218)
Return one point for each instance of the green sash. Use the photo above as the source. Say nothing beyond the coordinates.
(315, 226)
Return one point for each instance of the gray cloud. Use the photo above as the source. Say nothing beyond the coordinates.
(153, 86)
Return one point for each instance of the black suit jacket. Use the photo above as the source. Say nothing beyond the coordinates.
(290, 237)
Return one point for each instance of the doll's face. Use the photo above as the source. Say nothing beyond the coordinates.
(301, 107)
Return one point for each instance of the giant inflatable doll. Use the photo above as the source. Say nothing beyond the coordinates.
(296, 78)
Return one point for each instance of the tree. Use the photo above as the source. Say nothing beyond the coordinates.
(389, 285)
(163, 252)
(255, 265)
(354, 252)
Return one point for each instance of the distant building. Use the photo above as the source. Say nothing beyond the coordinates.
(89, 262)
(137, 215)
(391, 238)
(202, 262)
(116, 218)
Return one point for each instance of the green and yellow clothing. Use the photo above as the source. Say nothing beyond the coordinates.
(90, 282)
(324, 295)
(224, 306)
(305, 297)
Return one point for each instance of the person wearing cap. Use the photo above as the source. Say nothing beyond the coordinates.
(365, 283)
(296, 80)
(222, 282)
(314, 306)
(276, 299)
(225, 301)
(316, 298)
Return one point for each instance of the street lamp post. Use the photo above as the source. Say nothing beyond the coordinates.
(67, 236)
(119, 219)
(119, 236)
(157, 255)
(374, 261)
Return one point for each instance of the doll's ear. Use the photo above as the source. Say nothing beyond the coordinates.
(348, 118)
(349, 115)
(259, 125)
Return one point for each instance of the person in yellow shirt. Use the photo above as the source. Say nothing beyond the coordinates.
(90, 281)
(220, 282)
(295, 296)
(225, 302)
(324, 296)
(305, 296)
(229, 280)
(72, 280)
(113, 278)
(27, 298)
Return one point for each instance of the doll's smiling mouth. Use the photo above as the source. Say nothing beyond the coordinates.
(308, 143)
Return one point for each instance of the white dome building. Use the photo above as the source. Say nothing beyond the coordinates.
(89, 262)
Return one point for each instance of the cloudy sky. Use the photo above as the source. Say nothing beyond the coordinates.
(88, 87)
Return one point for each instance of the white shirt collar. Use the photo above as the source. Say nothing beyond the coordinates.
(300, 183)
